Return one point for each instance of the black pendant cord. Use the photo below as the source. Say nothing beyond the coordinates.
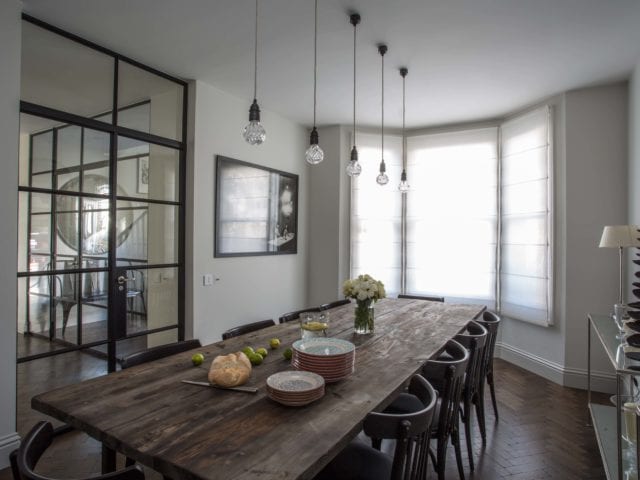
(315, 63)
(354, 21)
(255, 58)
(403, 72)
(382, 49)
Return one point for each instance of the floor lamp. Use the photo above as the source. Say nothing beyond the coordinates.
(620, 237)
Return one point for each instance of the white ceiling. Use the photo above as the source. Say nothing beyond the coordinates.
(468, 59)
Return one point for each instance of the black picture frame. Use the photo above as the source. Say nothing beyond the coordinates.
(256, 210)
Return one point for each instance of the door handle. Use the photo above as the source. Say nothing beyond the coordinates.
(122, 279)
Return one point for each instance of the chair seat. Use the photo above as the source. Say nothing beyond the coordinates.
(358, 462)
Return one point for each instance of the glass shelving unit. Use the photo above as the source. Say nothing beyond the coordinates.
(618, 455)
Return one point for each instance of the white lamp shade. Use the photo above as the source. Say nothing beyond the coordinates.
(615, 236)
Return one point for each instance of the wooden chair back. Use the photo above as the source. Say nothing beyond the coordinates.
(411, 432)
(35, 443)
(291, 316)
(474, 338)
(491, 322)
(431, 298)
(447, 373)
(337, 303)
(247, 328)
(156, 353)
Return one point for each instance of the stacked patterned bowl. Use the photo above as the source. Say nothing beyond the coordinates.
(295, 389)
(332, 358)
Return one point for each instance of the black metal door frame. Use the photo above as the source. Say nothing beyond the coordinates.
(117, 297)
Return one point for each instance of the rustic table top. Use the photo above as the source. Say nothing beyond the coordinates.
(188, 432)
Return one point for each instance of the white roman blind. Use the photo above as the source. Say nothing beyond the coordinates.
(526, 205)
(376, 212)
(452, 215)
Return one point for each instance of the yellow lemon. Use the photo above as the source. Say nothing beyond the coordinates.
(314, 326)
(274, 343)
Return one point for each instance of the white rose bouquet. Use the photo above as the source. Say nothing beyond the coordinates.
(366, 291)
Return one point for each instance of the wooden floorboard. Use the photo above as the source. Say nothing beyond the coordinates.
(542, 432)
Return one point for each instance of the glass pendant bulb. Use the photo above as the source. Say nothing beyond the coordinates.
(404, 185)
(254, 133)
(314, 154)
(354, 168)
(382, 178)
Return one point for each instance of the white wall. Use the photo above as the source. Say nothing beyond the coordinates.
(590, 192)
(634, 147)
(597, 152)
(249, 288)
(9, 105)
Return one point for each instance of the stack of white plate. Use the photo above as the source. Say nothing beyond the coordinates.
(295, 388)
(332, 358)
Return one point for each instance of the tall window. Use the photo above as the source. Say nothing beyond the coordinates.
(526, 256)
(478, 217)
(452, 215)
(376, 213)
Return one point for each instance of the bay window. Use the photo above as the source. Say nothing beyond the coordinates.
(478, 216)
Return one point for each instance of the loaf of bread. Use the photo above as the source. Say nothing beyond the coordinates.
(230, 370)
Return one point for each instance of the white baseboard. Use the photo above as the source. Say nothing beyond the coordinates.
(555, 372)
(8, 444)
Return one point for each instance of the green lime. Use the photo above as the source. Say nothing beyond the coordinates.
(262, 351)
(197, 359)
(274, 343)
(255, 358)
(247, 351)
(287, 354)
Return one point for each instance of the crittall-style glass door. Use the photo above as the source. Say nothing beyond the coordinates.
(101, 200)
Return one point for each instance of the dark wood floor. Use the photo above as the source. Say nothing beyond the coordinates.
(542, 433)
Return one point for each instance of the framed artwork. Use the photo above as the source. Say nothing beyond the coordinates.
(256, 211)
(143, 175)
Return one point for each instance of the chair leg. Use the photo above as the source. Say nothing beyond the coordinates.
(455, 439)
(493, 393)
(482, 421)
(467, 431)
(13, 459)
(442, 458)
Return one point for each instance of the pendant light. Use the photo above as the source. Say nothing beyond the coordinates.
(382, 178)
(254, 133)
(314, 153)
(404, 185)
(354, 168)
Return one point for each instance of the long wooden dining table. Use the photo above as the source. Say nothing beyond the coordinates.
(191, 432)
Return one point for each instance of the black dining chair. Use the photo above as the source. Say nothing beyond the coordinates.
(247, 328)
(491, 322)
(431, 298)
(409, 431)
(291, 316)
(446, 373)
(337, 303)
(474, 339)
(35, 443)
(156, 353)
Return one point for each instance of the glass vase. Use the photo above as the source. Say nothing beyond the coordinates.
(364, 319)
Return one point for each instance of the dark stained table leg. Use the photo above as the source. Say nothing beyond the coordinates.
(108, 459)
